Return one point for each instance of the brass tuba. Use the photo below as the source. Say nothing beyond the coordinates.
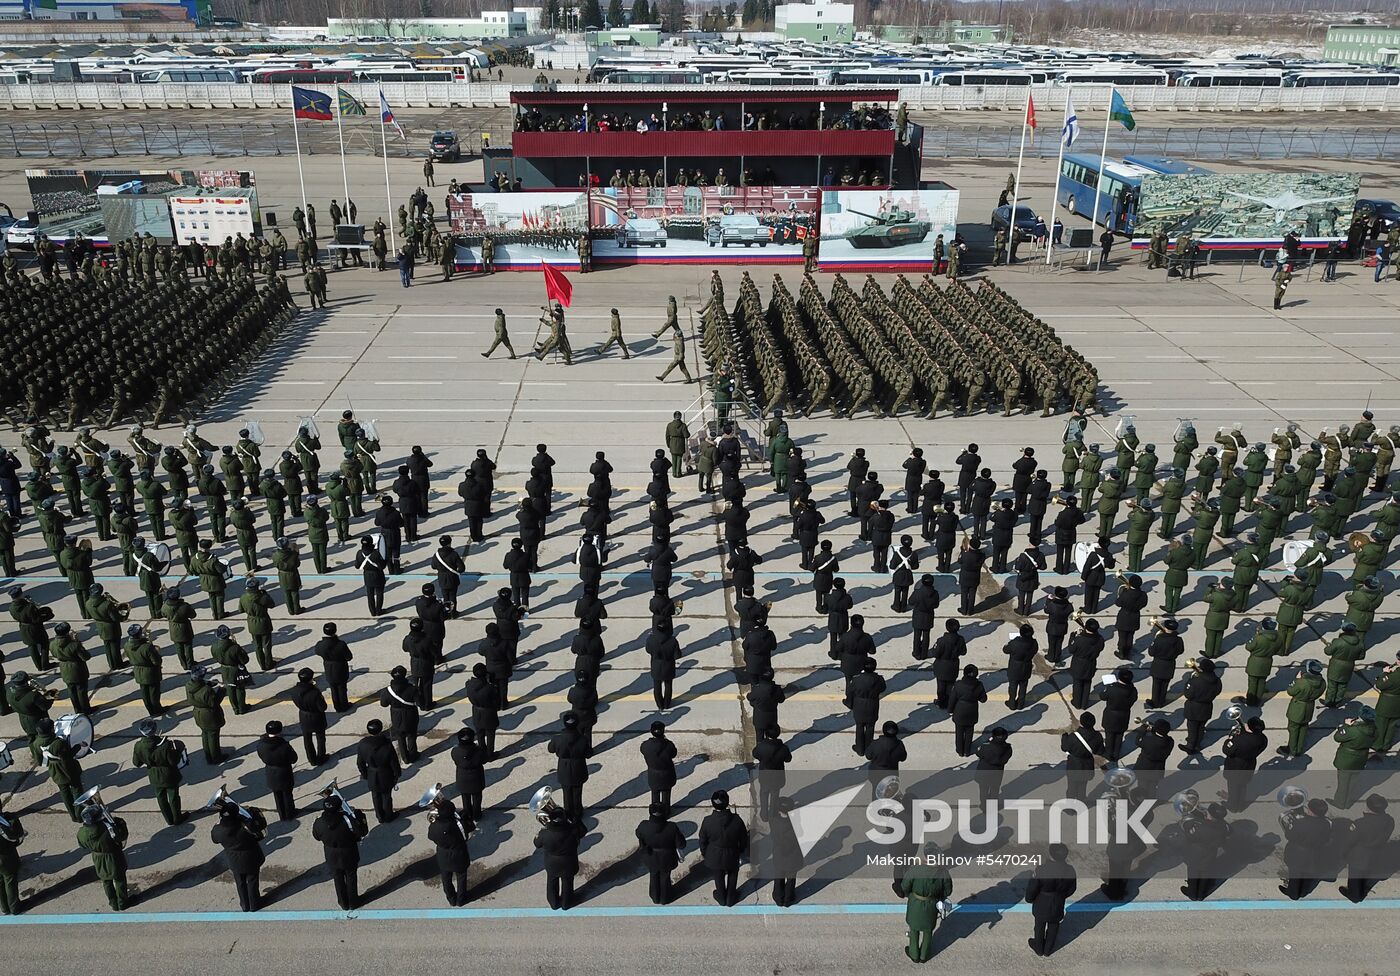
(93, 797)
(1293, 799)
(432, 797)
(542, 804)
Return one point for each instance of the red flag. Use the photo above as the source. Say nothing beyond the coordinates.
(1030, 111)
(556, 286)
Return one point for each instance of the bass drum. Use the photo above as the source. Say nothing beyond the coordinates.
(1293, 551)
(1081, 553)
(77, 730)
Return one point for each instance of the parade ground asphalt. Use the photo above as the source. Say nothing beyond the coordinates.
(1212, 350)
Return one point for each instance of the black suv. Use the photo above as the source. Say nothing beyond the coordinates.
(445, 147)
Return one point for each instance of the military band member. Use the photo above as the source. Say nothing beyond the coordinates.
(206, 696)
(278, 757)
(255, 604)
(61, 762)
(105, 838)
(72, 658)
(340, 830)
(239, 832)
(286, 559)
(11, 836)
(162, 758)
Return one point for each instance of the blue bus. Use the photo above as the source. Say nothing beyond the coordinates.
(1118, 185)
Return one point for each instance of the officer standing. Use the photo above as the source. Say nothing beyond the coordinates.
(1049, 888)
(379, 768)
(72, 660)
(311, 715)
(923, 888)
(374, 567)
(661, 844)
(278, 757)
(724, 842)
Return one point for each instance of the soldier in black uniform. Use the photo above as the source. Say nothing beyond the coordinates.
(559, 843)
(239, 832)
(278, 758)
(311, 716)
(379, 767)
(661, 844)
(449, 830)
(339, 830)
(724, 842)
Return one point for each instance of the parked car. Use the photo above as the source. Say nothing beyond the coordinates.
(445, 147)
(641, 231)
(1026, 219)
(742, 229)
(21, 233)
(1388, 212)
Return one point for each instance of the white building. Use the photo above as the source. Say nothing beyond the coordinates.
(820, 21)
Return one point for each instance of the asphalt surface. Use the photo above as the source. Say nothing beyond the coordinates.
(94, 134)
(1212, 350)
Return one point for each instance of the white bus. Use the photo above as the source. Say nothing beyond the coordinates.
(1243, 78)
(1122, 77)
(997, 77)
(1340, 79)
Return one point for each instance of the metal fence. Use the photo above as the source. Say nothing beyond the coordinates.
(1142, 98)
(97, 140)
(1197, 142)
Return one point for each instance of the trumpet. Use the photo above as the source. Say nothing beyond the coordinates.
(680, 605)
(1193, 664)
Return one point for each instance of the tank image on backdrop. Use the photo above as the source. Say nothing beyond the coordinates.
(861, 228)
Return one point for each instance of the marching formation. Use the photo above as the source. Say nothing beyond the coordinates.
(970, 521)
(102, 347)
(928, 347)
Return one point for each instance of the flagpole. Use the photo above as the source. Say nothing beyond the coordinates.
(1103, 155)
(1016, 191)
(388, 193)
(296, 138)
(340, 134)
(1055, 187)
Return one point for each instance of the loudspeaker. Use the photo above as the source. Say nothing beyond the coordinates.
(1081, 237)
(350, 234)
